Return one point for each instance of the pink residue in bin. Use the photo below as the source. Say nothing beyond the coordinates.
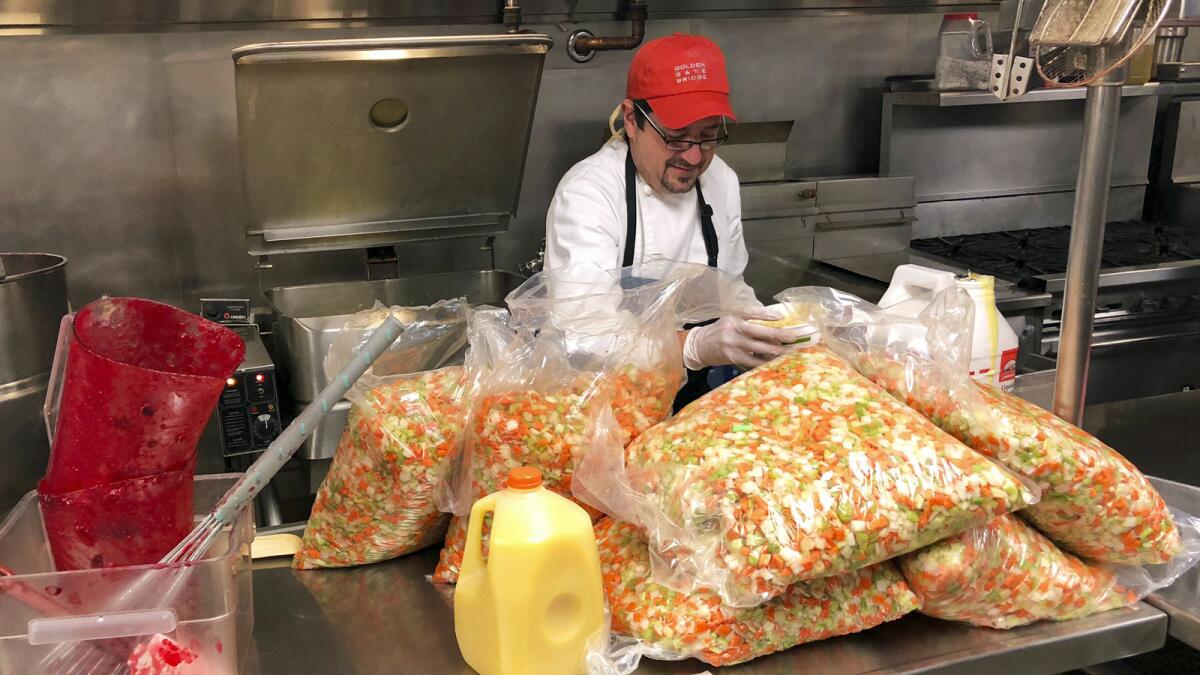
(160, 656)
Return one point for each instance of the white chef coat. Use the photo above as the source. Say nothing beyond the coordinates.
(586, 222)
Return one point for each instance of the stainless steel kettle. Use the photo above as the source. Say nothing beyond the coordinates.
(33, 299)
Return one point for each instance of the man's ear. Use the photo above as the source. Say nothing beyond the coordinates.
(627, 113)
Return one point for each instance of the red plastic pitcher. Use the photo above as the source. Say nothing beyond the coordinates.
(138, 384)
(130, 522)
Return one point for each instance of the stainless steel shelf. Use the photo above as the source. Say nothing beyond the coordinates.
(950, 99)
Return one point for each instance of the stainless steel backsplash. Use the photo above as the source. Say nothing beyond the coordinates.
(119, 150)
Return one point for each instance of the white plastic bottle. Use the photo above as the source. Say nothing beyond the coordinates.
(993, 342)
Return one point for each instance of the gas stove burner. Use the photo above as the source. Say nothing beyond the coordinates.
(1017, 255)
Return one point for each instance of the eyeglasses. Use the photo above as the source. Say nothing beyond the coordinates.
(683, 145)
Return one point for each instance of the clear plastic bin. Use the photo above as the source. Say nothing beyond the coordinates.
(210, 611)
(964, 60)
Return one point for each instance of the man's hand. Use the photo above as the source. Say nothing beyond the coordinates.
(734, 340)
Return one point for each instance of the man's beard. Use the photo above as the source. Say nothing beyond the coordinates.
(676, 187)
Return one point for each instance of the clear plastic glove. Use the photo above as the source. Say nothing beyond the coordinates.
(735, 341)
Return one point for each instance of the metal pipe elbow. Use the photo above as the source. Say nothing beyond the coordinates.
(582, 45)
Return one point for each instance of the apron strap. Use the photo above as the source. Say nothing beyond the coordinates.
(630, 209)
(706, 227)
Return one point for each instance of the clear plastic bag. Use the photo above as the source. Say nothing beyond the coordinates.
(405, 429)
(1006, 574)
(651, 620)
(797, 470)
(532, 409)
(1095, 503)
(625, 322)
(591, 360)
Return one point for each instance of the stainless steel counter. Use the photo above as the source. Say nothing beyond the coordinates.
(1124, 426)
(1181, 601)
(386, 618)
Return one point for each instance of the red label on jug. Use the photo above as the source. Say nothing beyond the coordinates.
(1008, 367)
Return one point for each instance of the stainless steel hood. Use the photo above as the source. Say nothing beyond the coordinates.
(357, 143)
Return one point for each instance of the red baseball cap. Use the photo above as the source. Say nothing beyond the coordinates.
(683, 79)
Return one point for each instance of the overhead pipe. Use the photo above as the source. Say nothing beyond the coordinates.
(582, 45)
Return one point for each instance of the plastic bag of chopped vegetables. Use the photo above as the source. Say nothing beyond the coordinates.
(625, 322)
(405, 428)
(532, 408)
(587, 346)
(1006, 574)
(1095, 503)
(797, 470)
(670, 625)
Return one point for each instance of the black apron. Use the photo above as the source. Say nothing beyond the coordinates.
(697, 383)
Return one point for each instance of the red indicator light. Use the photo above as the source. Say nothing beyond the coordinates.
(259, 377)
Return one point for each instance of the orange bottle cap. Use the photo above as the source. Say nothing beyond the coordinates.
(524, 478)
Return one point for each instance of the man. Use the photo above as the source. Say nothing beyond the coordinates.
(658, 190)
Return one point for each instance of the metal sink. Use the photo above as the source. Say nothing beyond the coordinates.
(309, 317)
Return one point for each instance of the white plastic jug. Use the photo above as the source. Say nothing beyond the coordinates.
(993, 342)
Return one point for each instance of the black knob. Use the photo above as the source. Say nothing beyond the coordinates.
(266, 427)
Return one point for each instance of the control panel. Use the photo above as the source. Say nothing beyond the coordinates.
(247, 414)
(231, 312)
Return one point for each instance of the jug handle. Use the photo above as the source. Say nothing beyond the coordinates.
(58, 372)
(979, 26)
(916, 278)
(473, 554)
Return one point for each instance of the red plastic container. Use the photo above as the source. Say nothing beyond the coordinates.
(139, 382)
(129, 522)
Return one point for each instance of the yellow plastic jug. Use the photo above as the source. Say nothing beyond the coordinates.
(532, 605)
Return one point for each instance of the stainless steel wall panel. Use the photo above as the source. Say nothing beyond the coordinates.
(120, 151)
(210, 200)
(164, 15)
(86, 168)
(826, 73)
(1016, 148)
(972, 216)
(1186, 168)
